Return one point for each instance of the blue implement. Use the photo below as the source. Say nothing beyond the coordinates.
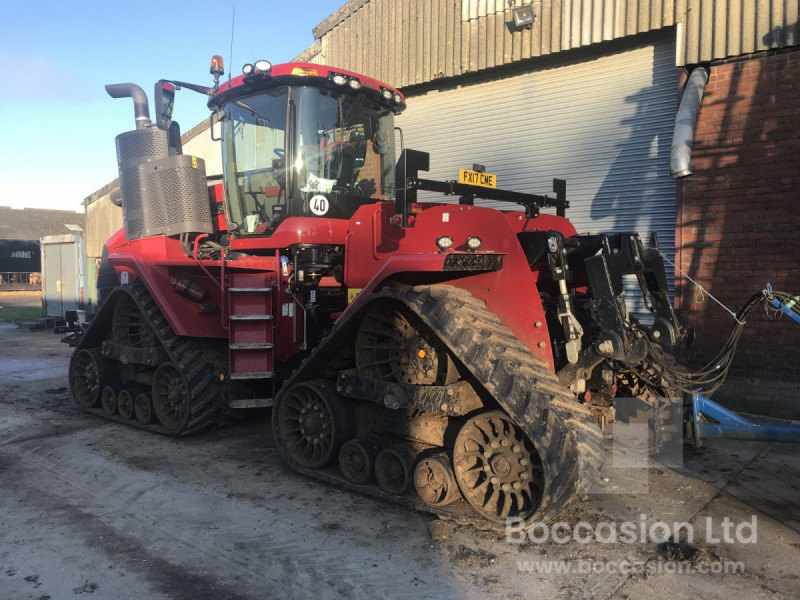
(712, 421)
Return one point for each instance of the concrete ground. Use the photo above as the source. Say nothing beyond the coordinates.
(89, 507)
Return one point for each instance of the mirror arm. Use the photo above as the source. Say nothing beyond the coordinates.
(200, 89)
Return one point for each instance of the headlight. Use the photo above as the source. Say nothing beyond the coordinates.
(444, 242)
(247, 69)
(387, 94)
(397, 98)
(355, 84)
(474, 242)
(263, 65)
(339, 79)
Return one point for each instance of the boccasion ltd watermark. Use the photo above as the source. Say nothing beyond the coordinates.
(630, 532)
(657, 566)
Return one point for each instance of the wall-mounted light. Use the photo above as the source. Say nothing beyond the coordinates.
(523, 16)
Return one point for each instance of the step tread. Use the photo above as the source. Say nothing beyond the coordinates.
(251, 402)
(251, 346)
(252, 375)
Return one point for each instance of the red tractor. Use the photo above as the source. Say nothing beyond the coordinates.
(450, 357)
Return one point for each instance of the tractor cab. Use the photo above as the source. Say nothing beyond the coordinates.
(302, 140)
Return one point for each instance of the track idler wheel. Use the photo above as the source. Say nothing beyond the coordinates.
(393, 469)
(390, 348)
(497, 467)
(435, 481)
(88, 375)
(170, 397)
(143, 409)
(310, 424)
(125, 403)
(357, 460)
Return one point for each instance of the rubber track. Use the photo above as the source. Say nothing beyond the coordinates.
(570, 444)
(196, 361)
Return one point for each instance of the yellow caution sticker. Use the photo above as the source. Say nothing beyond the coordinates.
(352, 293)
(471, 177)
(194, 162)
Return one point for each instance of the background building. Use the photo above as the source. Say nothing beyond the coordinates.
(588, 93)
(20, 251)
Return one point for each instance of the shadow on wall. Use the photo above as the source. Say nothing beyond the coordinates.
(740, 223)
(637, 191)
(632, 181)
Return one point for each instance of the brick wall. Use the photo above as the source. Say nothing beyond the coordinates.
(739, 217)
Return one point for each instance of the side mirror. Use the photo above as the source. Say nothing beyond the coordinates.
(216, 117)
(164, 99)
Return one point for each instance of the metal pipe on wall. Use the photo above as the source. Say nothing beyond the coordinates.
(680, 164)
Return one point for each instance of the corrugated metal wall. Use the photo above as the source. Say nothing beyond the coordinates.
(604, 125)
(721, 28)
(408, 42)
(203, 146)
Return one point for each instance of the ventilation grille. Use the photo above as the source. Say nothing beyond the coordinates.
(131, 190)
(142, 144)
(175, 197)
(133, 228)
(129, 187)
(136, 149)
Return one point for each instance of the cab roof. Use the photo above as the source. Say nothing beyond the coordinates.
(298, 73)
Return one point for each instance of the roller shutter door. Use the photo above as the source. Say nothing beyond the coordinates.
(604, 123)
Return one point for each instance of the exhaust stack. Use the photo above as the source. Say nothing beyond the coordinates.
(140, 106)
(163, 192)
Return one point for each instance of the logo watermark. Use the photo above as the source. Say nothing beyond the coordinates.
(630, 532)
(657, 566)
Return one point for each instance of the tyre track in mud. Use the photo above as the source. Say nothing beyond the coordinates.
(237, 551)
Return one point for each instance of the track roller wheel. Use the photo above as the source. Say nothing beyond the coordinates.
(357, 460)
(125, 403)
(393, 469)
(129, 326)
(309, 423)
(170, 397)
(435, 481)
(143, 409)
(88, 374)
(390, 348)
(108, 399)
(497, 467)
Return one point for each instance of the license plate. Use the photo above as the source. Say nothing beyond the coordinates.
(477, 178)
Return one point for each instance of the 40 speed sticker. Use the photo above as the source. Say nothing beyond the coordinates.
(319, 205)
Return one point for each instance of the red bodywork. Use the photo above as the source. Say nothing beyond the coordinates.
(195, 297)
(376, 252)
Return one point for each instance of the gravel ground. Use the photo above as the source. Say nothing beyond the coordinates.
(94, 508)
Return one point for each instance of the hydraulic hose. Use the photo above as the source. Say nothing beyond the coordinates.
(711, 377)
